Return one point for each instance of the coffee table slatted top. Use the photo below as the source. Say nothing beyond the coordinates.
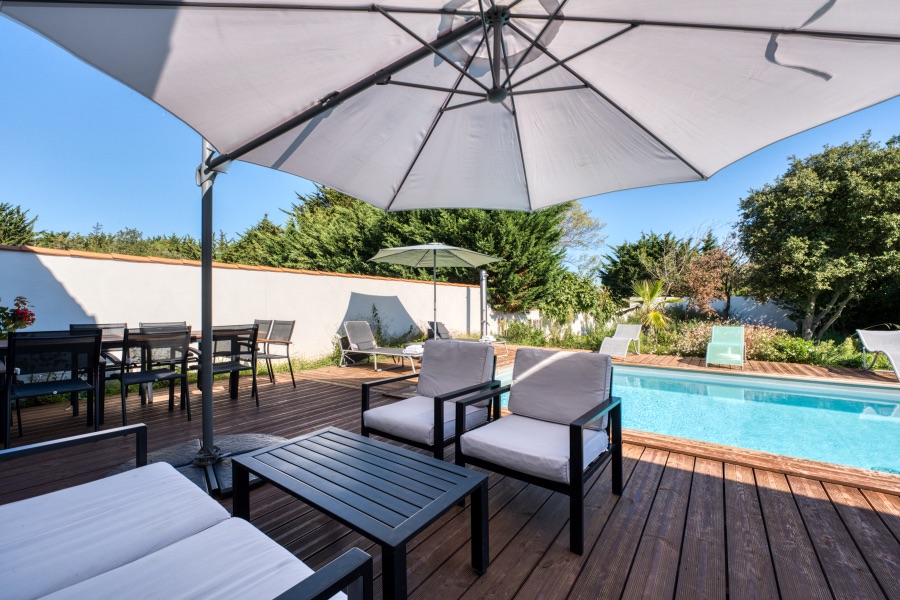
(389, 492)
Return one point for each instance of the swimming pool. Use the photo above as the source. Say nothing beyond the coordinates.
(851, 425)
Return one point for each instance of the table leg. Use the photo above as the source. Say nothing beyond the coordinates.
(240, 481)
(480, 549)
(233, 385)
(393, 571)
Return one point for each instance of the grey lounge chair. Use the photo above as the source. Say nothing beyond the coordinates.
(439, 331)
(361, 341)
(881, 342)
(618, 344)
(564, 423)
(450, 370)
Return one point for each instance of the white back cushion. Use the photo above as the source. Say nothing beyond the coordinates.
(558, 386)
(449, 365)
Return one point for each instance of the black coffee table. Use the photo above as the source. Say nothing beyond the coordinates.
(386, 493)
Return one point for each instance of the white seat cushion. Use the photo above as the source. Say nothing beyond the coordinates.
(413, 419)
(230, 560)
(59, 539)
(530, 446)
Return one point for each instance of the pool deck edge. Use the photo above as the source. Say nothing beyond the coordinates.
(831, 473)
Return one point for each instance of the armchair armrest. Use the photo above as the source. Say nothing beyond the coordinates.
(492, 394)
(460, 410)
(353, 569)
(140, 430)
(596, 412)
(367, 387)
(612, 406)
(467, 390)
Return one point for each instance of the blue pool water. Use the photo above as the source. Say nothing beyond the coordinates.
(850, 425)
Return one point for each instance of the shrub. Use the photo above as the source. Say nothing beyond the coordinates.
(525, 334)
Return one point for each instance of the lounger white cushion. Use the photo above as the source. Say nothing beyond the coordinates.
(413, 419)
(449, 365)
(530, 446)
(230, 560)
(57, 540)
(553, 386)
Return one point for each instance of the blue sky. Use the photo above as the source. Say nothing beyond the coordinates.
(77, 148)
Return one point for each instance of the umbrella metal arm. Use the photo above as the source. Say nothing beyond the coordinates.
(332, 100)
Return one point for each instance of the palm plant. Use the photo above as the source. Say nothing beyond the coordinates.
(651, 301)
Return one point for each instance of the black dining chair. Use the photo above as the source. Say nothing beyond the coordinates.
(155, 356)
(234, 351)
(47, 363)
(279, 337)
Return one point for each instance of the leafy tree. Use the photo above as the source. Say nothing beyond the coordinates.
(572, 294)
(262, 244)
(826, 231)
(16, 229)
(628, 262)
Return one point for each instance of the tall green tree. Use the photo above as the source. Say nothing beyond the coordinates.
(16, 229)
(826, 231)
(262, 244)
(629, 261)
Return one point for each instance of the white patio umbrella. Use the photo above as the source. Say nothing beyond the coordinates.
(473, 103)
(433, 255)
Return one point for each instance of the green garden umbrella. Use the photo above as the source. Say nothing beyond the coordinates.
(433, 255)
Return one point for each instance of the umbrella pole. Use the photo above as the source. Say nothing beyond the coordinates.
(208, 453)
(434, 286)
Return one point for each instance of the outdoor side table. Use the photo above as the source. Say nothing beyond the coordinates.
(386, 493)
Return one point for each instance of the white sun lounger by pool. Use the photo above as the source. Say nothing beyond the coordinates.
(618, 344)
(881, 342)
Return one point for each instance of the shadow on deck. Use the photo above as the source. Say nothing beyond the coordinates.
(686, 526)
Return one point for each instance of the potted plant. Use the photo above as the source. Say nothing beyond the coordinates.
(18, 316)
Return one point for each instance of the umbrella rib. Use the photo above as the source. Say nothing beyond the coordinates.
(430, 46)
(573, 56)
(485, 32)
(434, 122)
(556, 12)
(565, 88)
(515, 117)
(464, 105)
(435, 88)
(741, 28)
(594, 89)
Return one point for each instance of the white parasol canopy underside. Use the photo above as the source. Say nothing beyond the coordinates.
(617, 94)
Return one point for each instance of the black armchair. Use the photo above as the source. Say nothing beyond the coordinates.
(152, 356)
(564, 425)
(234, 351)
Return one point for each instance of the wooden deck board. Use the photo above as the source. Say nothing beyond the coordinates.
(810, 533)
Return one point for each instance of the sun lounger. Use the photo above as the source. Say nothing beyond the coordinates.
(361, 341)
(881, 342)
(618, 344)
(726, 347)
(439, 331)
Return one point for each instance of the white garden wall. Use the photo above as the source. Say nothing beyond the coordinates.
(79, 287)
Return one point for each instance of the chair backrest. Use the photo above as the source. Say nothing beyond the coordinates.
(39, 352)
(628, 332)
(558, 386)
(106, 329)
(265, 326)
(153, 347)
(235, 342)
(722, 334)
(360, 336)
(281, 330)
(449, 365)
(439, 331)
(878, 340)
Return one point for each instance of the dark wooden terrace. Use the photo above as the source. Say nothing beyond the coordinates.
(694, 521)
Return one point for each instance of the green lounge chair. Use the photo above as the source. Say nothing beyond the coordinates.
(726, 347)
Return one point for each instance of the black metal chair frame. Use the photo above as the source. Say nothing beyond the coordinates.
(235, 364)
(79, 344)
(577, 475)
(285, 341)
(151, 369)
(436, 448)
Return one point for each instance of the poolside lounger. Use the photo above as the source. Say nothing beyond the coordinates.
(881, 342)
(439, 331)
(614, 347)
(619, 343)
(361, 341)
(726, 347)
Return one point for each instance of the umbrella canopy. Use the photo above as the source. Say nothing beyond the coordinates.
(433, 255)
(461, 103)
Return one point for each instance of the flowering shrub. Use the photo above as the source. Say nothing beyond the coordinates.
(17, 317)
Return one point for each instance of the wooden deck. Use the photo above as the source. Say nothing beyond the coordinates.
(691, 523)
